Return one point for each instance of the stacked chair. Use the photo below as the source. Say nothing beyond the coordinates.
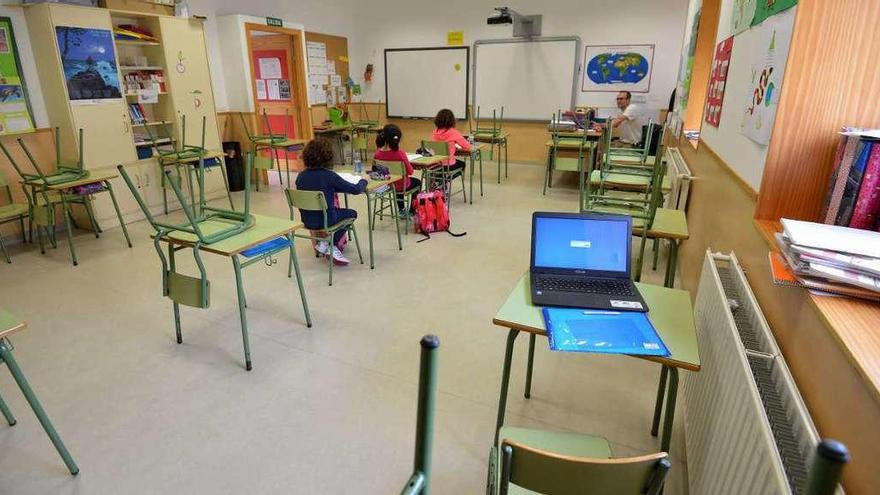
(441, 173)
(579, 146)
(272, 142)
(493, 136)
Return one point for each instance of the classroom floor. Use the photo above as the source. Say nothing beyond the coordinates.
(326, 410)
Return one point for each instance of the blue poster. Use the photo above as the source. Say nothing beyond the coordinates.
(89, 63)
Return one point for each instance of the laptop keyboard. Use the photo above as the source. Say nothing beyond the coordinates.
(586, 286)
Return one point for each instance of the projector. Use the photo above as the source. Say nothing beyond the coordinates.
(502, 17)
(523, 25)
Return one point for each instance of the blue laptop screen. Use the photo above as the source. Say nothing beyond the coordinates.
(580, 243)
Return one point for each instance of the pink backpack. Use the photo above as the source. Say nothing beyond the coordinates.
(432, 215)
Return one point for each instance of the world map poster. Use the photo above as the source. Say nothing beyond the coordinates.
(618, 68)
(718, 82)
(768, 65)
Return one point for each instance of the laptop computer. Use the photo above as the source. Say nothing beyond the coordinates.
(582, 260)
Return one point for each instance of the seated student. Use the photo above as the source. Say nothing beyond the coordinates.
(388, 148)
(318, 158)
(445, 131)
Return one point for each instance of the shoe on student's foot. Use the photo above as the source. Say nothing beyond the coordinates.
(338, 258)
(322, 248)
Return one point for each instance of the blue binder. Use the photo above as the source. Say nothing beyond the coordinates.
(607, 332)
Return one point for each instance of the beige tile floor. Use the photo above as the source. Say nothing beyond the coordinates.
(329, 409)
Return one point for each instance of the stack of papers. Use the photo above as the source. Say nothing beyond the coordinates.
(352, 178)
(413, 156)
(828, 258)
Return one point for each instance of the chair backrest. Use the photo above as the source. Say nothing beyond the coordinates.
(247, 129)
(306, 201)
(557, 135)
(420, 480)
(438, 147)
(554, 474)
(395, 167)
(359, 143)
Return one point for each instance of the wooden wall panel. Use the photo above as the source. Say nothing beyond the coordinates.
(831, 80)
(842, 403)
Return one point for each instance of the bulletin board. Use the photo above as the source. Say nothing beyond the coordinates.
(272, 75)
(337, 51)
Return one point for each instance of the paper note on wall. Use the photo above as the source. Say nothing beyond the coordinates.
(331, 67)
(284, 89)
(341, 94)
(273, 89)
(316, 49)
(270, 68)
(335, 80)
(261, 89)
(317, 65)
(455, 38)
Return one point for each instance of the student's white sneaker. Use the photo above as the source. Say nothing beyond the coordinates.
(338, 258)
(322, 248)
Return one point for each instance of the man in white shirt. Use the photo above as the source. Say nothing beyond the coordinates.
(629, 122)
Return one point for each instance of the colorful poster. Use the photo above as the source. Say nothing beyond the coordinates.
(687, 63)
(89, 63)
(618, 68)
(15, 111)
(768, 66)
(717, 82)
(743, 13)
(767, 8)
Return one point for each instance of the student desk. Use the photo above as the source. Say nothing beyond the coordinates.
(274, 144)
(571, 141)
(102, 178)
(336, 132)
(672, 316)
(475, 153)
(494, 139)
(372, 186)
(9, 325)
(670, 225)
(427, 162)
(265, 229)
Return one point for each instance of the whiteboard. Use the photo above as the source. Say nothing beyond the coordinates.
(531, 79)
(419, 82)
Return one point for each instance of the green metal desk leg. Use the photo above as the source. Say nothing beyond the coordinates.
(505, 159)
(656, 247)
(505, 381)
(472, 177)
(671, 264)
(294, 263)
(7, 414)
(118, 213)
(392, 199)
(172, 266)
(91, 214)
(548, 174)
(481, 173)
(370, 228)
(65, 212)
(236, 264)
(658, 406)
(6, 355)
(671, 395)
(528, 392)
(498, 161)
(226, 184)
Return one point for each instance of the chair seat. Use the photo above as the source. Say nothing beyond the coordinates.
(567, 164)
(668, 224)
(13, 210)
(627, 180)
(558, 442)
(637, 213)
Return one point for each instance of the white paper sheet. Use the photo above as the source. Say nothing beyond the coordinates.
(148, 96)
(261, 89)
(331, 67)
(273, 90)
(336, 80)
(316, 49)
(270, 68)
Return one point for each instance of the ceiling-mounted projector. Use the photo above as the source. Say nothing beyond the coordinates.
(523, 25)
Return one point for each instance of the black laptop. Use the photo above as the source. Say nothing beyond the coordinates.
(582, 260)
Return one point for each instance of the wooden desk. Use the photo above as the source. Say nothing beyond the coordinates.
(372, 186)
(493, 139)
(265, 229)
(671, 314)
(9, 325)
(65, 193)
(475, 153)
(670, 225)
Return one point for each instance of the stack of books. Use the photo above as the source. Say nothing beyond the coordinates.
(853, 198)
(828, 258)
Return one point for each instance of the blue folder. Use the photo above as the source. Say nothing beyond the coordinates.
(608, 332)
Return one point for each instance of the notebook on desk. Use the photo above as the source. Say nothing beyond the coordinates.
(607, 332)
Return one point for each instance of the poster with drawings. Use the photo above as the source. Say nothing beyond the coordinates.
(743, 12)
(717, 82)
(768, 66)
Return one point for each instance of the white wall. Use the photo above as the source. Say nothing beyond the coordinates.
(744, 156)
(398, 24)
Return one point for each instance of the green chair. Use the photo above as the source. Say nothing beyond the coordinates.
(360, 145)
(441, 174)
(562, 463)
(419, 482)
(9, 325)
(579, 163)
(385, 201)
(315, 201)
(12, 212)
(272, 142)
(64, 170)
(492, 135)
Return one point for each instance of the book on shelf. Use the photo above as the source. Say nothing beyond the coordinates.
(853, 197)
(853, 182)
(868, 200)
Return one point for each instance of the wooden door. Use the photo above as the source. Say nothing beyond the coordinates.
(189, 79)
(274, 84)
(87, 59)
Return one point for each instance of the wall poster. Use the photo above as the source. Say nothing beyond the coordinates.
(717, 82)
(618, 68)
(89, 63)
(15, 109)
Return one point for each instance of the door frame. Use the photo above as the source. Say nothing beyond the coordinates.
(297, 69)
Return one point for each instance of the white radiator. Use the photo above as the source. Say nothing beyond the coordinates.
(747, 430)
(680, 179)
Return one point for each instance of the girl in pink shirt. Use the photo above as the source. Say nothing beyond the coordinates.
(445, 131)
(388, 148)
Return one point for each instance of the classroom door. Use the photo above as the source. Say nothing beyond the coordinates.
(274, 84)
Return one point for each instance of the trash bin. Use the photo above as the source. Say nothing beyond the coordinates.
(234, 165)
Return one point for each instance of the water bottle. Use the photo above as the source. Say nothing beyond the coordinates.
(358, 165)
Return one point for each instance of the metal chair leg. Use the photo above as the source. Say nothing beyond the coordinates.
(658, 406)
(528, 392)
(7, 414)
(242, 312)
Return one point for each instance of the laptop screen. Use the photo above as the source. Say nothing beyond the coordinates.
(581, 244)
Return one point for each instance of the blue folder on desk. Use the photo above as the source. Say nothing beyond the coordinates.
(608, 332)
